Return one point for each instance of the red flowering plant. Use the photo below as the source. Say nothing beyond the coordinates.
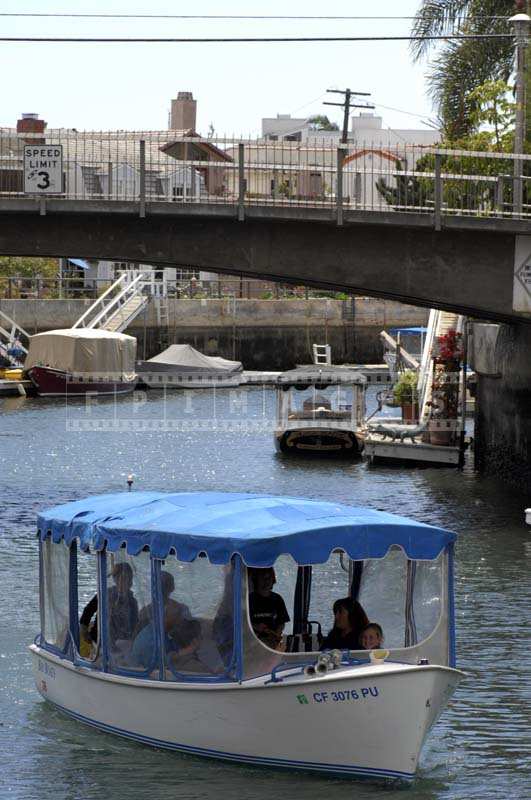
(448, 355)
(449, 347)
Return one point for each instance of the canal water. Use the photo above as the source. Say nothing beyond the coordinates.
(52, 452)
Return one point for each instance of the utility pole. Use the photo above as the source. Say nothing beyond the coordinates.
(520, 24)
(346, 105)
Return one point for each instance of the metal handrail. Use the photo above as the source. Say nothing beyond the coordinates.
(98, 302)
(116, 300)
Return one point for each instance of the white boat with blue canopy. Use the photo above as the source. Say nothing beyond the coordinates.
(159, 623)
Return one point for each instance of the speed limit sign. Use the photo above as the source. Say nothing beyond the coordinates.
(43, 169)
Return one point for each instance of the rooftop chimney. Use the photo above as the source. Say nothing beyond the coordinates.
(30, 123)
(183, 112)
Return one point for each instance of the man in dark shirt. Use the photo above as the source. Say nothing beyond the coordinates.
(267, 609)
(122, 608)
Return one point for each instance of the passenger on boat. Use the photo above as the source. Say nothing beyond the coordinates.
(349, 621)
(267, 609)
(182, 638)
(122, 609)
(371, 637)
(167, 586)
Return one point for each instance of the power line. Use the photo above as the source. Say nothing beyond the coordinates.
(251, 17)
(249, 39)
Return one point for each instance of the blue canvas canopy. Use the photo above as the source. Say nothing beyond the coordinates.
(411, 330)
(257, 527)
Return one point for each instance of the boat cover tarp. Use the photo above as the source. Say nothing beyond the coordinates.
(260, 528)
(83, 350)
(186, 357)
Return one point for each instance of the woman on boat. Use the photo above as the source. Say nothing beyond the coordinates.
(349, 621)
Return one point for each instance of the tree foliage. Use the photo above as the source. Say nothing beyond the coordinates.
(460, 67)
(320, 122)
(28, 267)
(492, 131)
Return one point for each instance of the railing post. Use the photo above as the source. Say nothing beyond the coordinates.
(499, 194)
(142, 212)
(517, 187)
(241, 182)
(109, 180)
(438, 192)
(339, 186)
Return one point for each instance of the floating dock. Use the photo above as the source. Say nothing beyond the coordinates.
(377, 448)
(10, 388)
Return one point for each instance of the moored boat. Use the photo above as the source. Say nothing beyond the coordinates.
(182, 658)
(181, 366)
(320, 410)
(78, 361)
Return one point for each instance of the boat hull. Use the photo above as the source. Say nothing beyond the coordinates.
(317, 441)
(357, 721)
(57, 383)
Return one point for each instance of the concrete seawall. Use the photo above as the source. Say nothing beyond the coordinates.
(263, 334)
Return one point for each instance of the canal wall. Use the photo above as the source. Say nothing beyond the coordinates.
(500, 357)
(263, 334)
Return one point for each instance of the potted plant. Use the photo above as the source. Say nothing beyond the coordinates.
(406, 395)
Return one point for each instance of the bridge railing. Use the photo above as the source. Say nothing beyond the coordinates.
(167, 166)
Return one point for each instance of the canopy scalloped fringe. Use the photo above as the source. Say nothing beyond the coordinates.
(259, 528)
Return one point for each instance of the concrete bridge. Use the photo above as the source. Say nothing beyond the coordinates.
(467, 266)
(449, 238)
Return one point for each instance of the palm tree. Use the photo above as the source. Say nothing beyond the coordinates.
(459, 67)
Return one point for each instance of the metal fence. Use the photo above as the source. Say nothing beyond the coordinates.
(28, 288)
(167, 166)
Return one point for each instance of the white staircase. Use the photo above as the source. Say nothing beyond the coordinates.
(117, 307)
(440, 322)
(10, 333)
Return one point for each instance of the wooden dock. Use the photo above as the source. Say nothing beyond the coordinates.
(379, 449)
(10, 388)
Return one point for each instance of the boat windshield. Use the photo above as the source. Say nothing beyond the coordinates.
(406, 599)
(318, 403)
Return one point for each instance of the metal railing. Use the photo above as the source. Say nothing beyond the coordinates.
(111, 302)
(24, 288)
(165, 166)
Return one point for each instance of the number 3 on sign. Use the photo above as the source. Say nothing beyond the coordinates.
(45, 180)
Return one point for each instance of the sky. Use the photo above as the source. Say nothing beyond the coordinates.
(130, 86)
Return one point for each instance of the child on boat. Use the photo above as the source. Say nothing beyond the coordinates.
(371, 637)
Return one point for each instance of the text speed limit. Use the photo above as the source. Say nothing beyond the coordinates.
(43, 169)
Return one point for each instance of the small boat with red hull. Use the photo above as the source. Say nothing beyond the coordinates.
(78, 361)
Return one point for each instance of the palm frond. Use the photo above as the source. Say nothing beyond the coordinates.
(460, 68)
(440, 17)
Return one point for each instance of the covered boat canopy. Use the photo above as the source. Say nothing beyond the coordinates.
(301, 377)
(83, 350)
(187, 358)
(259, 528)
